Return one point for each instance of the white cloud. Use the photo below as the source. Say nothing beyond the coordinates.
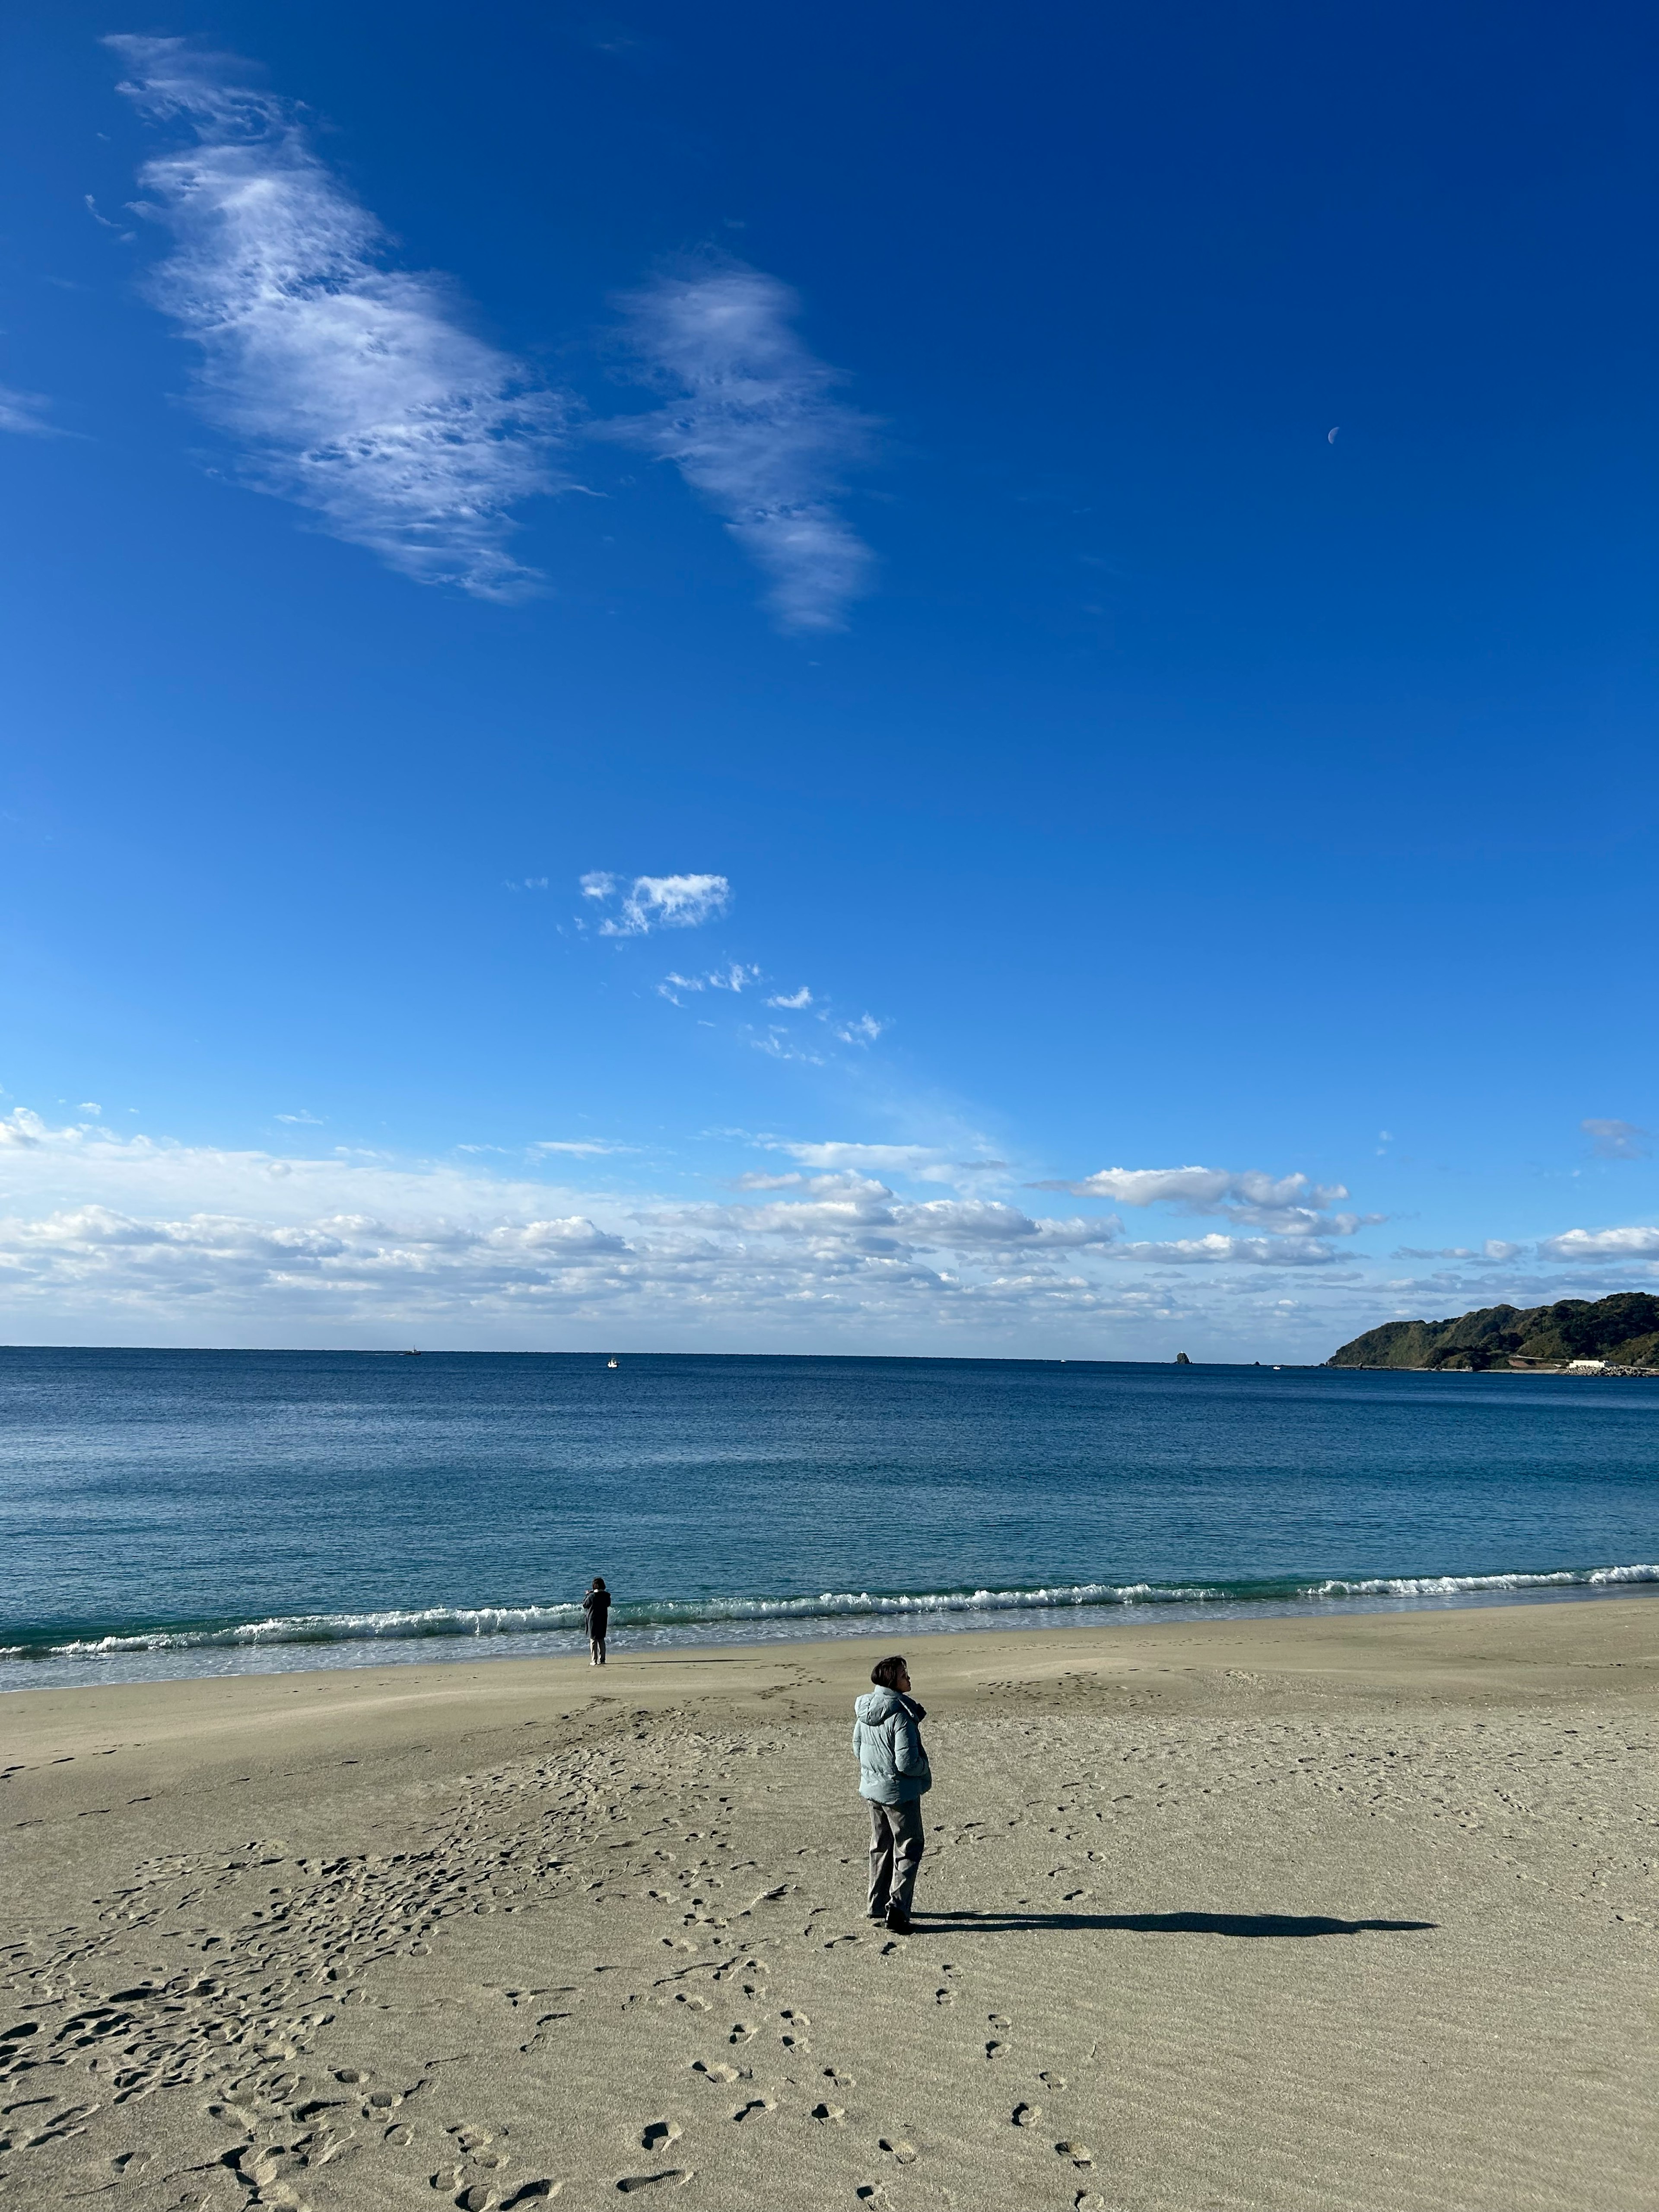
(1215, 1249)
(862, 1159)
(25, 413)
(863, 1028)
(658, 902)
(311, 1120)
(104, 222)
(112, 1238)
(1631, 1243)
(780, 1044)
(582, 1148)
(794, 1002)
(734, 977)
(753, 426)
(1616, 1141)
(354, 389)
(115, 1238)
(1494, 1249)
(1283, 1206)
(918, 1163)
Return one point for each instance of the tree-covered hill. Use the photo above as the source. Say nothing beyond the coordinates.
(1624, 1330)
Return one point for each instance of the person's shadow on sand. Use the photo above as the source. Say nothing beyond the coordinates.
(1160, 1923)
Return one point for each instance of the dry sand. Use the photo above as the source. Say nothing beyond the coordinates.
(1355, 1913)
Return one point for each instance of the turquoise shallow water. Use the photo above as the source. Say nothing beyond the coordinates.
(166, 1513)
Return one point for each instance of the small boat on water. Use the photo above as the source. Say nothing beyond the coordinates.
(613, 1363)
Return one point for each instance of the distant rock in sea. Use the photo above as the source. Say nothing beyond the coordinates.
(1621, 1331)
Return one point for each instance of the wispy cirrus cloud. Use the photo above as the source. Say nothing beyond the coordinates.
(580, 1148)
(754, 426)
(735, 977)
(1495, 1251)
(353, 388)
(1616, 1141)
(656, 901)
(921, 1163)
(26, 414)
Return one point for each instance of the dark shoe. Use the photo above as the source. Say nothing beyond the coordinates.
(898, 1924)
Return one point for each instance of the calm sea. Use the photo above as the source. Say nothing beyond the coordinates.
(167, 1513)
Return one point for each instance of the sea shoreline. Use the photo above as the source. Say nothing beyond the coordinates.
(292, 1649)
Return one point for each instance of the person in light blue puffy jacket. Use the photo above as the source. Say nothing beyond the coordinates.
(893, 1775)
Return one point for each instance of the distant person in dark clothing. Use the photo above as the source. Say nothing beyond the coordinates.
(893, 1775)
(596, 1611)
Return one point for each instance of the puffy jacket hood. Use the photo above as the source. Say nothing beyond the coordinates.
(880, 1704)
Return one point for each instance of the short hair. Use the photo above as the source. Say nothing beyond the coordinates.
(886, 1672)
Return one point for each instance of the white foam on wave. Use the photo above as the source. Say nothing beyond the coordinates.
(331, 1628)
(480, 1621)
(1462, 1585)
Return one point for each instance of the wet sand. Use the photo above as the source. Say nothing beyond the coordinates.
(1352, 1913)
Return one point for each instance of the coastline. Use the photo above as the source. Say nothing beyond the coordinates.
(501, 1634)
(606, 1928)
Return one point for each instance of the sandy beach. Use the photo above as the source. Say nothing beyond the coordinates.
(1346, 1912)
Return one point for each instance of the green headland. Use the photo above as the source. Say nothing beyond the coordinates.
(1622, 1331)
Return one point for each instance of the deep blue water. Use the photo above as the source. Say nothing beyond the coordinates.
(171, 1512)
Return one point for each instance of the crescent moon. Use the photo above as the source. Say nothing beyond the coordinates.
(1330, 435)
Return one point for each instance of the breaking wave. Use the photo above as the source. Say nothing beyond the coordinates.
(660, 1617)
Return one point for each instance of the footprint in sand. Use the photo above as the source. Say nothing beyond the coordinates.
(839, 2080)
(657, 2134)
(1051, 2080)
(905, 2153)
(1080, 2153)
(945, 1996)
(742, 2031)
(1026, 2116)
(873, 2193)
(718, 2072)
(995, 2050)
(670, 2177)
(828, 2114)
(754, 2108)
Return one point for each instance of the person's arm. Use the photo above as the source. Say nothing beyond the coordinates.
(908, 1757)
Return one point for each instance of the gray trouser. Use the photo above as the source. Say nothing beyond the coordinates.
(895, 1854)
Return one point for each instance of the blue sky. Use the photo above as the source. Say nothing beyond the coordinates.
(709, 679)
